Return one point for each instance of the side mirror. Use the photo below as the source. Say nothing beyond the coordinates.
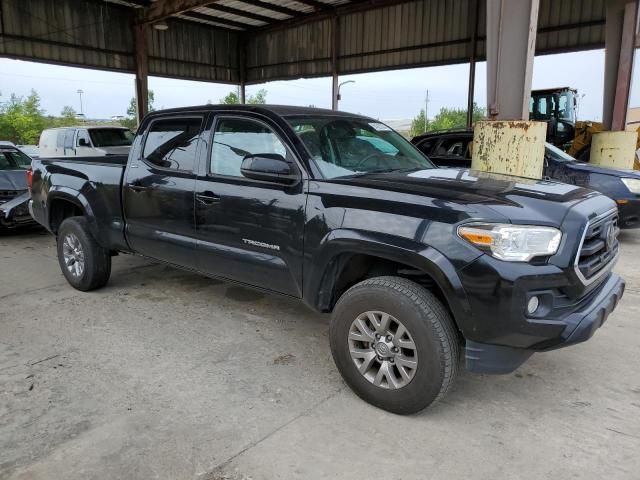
(269, 167)
(82, 142)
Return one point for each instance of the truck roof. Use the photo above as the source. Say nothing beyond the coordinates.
(89, 127)
(554, 90)
(281, 110)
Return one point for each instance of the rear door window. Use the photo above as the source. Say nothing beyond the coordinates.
(68, 139)
(173, 143)
(60, 138)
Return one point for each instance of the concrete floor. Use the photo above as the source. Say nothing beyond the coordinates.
(164, 374)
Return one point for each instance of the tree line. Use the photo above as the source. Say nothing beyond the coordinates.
(22, 119)
(445, 119)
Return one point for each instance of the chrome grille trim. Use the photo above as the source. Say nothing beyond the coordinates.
(609, 266)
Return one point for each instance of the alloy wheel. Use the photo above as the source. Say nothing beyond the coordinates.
(73, 255)
(383, 350)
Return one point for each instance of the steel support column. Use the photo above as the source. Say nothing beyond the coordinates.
(511, 42)
(509, 143)
(335, 45)
(141, 45)
(472, 61)
(242, 69)
(620, 36)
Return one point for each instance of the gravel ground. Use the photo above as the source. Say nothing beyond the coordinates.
(165, 374)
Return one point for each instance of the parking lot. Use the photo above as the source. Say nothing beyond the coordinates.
(166, 374)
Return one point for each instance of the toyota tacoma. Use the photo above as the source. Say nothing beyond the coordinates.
(425, 270)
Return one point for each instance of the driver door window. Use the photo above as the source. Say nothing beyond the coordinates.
(83, 139)
(235, 138)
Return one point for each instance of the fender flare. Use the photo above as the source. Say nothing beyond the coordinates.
(72, 196)
(339, 245)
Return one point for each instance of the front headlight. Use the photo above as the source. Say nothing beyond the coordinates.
(633, 184)
(513, 243)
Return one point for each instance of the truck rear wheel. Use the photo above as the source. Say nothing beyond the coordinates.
(84, 263)
(394, 344)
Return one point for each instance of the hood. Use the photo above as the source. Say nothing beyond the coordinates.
(13, 179)
(614, 172)
(516, 199)
(121, 150)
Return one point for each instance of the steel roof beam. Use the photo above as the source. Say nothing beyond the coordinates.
(240, 13)
(167, 8)
(328, 12)
(218, 20)
(315, 4)
(274, 8)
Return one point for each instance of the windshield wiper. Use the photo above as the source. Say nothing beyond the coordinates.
(389, 170)
(383, 170)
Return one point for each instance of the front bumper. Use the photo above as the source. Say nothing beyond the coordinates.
(16, 213)
(575, 327)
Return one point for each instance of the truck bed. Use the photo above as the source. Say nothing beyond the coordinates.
(98, 181)
(106, 160)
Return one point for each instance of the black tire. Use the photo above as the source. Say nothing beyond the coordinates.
(97, 260)
(431, 327)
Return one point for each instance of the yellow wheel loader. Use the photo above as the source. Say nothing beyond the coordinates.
(558, 107)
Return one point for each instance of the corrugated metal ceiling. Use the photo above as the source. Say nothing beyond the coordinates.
(281, 39)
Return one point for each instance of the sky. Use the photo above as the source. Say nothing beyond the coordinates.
(392, 95)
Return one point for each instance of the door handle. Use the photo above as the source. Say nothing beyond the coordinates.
(136, 187)
(207, 198)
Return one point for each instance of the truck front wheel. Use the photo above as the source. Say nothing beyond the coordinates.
(394, 344)
(84, 263)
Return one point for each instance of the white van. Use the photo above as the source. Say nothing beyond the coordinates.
(85, 141)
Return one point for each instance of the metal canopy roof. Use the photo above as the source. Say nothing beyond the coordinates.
(239, 15)
(261, 40)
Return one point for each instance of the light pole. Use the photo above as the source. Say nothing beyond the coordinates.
(426, 112)
(80, 92)
(338, 92)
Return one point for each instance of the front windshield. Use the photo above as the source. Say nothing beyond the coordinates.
(546, 106)
(110, 137)
(343, 146)
(557, 154)
(14, 160)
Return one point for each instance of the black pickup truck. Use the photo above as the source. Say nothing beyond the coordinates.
(421, 267)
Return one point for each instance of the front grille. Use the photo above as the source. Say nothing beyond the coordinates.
(599, 247)
(6, 195)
